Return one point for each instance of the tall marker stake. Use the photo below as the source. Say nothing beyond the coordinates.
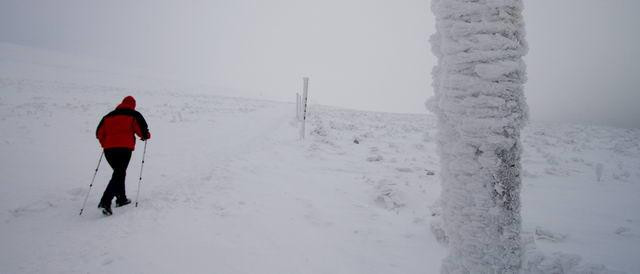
(304, 106)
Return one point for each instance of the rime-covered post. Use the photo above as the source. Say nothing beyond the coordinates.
(481, 108)
(303, 105)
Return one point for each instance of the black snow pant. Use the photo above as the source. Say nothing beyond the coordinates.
(118, 159)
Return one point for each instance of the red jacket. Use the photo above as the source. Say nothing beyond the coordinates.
(117, 129)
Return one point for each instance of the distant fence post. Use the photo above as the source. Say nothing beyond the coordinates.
(298, 106)
(303, 105)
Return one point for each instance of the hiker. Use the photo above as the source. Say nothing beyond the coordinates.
(116, 135)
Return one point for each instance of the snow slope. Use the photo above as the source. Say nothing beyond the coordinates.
(229, 188)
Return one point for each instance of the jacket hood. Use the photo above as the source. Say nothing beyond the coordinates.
(128, 102)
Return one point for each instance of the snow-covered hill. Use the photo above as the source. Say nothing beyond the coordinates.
(228, 187)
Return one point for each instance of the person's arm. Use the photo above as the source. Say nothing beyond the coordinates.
(141, 128)
(100, 133)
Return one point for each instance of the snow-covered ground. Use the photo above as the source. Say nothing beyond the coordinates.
(228, 187)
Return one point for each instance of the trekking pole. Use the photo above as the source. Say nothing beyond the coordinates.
(91, 185)
(141, 166)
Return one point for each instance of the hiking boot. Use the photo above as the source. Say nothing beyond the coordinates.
(124, 202)
(106, 209)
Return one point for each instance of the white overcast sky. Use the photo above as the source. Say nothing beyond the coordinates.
(583, 63)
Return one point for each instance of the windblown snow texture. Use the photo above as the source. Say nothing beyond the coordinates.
(479, 102)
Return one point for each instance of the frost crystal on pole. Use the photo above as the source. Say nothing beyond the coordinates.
(481, 108)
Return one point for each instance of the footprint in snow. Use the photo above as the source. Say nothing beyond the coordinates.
(623, 231)
(38, 206)
(107, 261)
(376, 158)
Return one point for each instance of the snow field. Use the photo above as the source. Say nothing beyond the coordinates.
(229, 188)
(227, 185)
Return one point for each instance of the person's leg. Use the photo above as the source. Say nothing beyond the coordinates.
(109, 192)
(124, 156)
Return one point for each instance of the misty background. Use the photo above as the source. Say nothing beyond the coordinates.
(583, 64)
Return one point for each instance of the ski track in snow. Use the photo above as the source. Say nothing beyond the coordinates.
(228, 187)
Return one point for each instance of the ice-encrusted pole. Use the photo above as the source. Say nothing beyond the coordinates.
(481, 108)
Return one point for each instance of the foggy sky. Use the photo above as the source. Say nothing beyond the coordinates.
(366, 54)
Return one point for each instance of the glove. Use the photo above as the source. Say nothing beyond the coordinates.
(144, 138)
